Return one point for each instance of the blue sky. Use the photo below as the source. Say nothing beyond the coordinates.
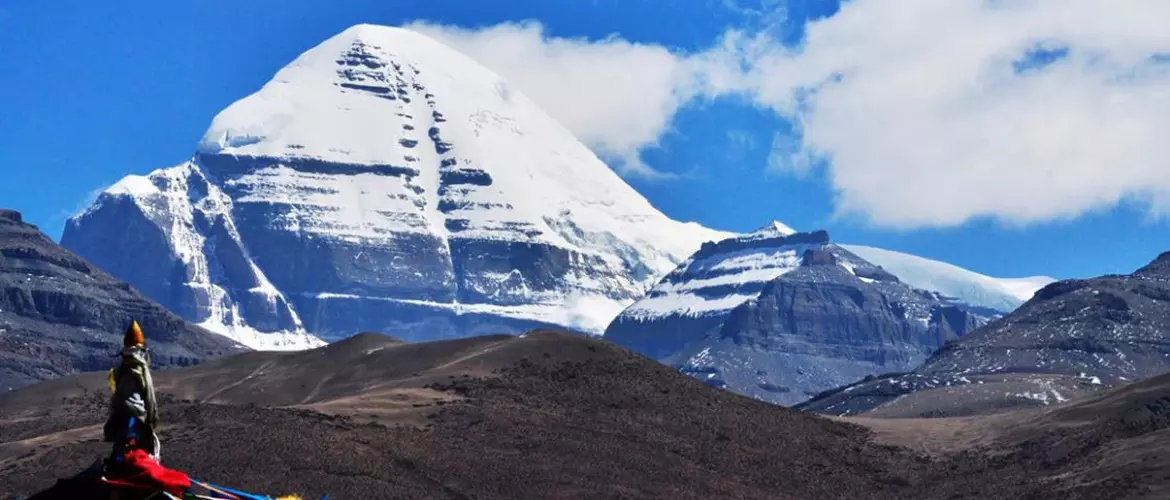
(94, 91)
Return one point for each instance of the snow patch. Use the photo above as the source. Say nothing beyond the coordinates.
(689, 291)
(133, 185)
(584, 313)
(684, 304)
(264, 341)
(1001, 294)
(774, 229)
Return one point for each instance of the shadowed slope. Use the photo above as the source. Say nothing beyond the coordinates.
(1073, 338)
(544, 415)
(61, 315)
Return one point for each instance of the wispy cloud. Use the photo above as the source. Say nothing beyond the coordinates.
(788, 156)
(83, 204)
(56, 223)
(742, 138)
(741, 143)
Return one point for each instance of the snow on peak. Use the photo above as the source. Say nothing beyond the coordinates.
(724, 275)
(264, 341)
(1001, 294)
(1024, 288)
(318, 105)
(974, 289)
(133, 185)
(382, 96)
(774, 229)
(381, 148)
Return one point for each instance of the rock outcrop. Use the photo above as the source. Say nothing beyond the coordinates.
(61, 315)
(1084, 333)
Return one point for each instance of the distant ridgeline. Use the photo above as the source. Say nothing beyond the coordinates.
(1073, 337)
(61, 315)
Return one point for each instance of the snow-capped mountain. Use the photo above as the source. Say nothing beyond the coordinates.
(782, 316)
(697, 295)
(1088, 332)
(999, 294)
(384, 182)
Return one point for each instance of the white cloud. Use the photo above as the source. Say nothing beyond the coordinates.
(55, 224)
(788, 155)
(618, 97)
(83, 205)
(926, 123)
(741, 138)
(913, 106)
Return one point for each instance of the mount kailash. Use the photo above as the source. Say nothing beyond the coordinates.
(385, 182)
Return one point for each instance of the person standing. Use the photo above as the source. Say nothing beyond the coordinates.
(133, 416)
(135, 464)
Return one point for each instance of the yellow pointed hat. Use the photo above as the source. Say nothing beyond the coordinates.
(133, 335)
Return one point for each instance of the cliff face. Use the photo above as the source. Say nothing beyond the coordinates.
(61, 315)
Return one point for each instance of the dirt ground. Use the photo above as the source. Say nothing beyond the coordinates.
(552, 415)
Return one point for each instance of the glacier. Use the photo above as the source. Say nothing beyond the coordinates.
(999, 294)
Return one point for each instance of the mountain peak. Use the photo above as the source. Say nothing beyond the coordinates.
(11, 215)
(321, 104)
(758, 314)
(382, 170)
(1159, 267)
(379, 33)
(762, 239)
(773, 229)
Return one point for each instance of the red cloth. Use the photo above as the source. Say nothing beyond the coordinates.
(138, 470)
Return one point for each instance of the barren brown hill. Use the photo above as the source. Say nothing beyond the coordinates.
(1121, 437)
(550, 415)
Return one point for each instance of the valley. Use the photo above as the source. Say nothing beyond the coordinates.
(389, 273)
